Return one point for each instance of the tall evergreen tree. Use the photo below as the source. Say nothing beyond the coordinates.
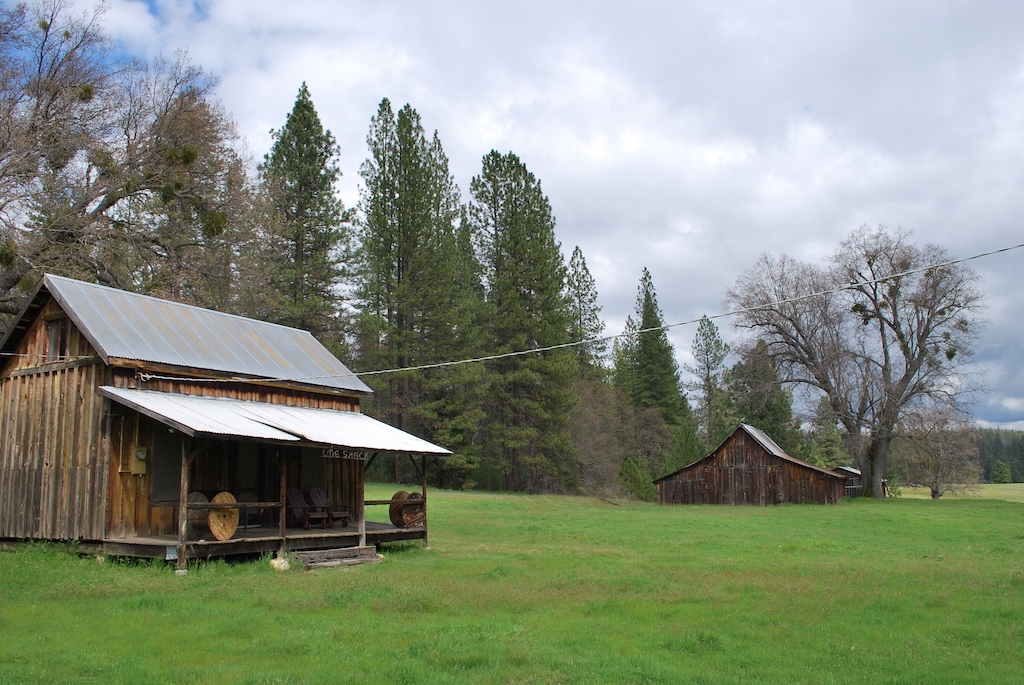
(709, 354)
(586, 314)
(646, 372)
(623, 374)
(529, 397)
(825, 444)
(648, 360)
(758, 397)
(307, 230)
(417, 286)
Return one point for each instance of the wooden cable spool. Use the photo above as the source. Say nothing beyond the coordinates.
(407, 509)
(395, 510)
(223, 522)
(196, 524)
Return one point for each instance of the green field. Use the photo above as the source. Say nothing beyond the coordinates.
(543, 589)
(1010, 492)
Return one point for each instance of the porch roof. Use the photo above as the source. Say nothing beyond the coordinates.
(227, 418)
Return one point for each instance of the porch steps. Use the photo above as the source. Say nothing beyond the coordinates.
(342, 556)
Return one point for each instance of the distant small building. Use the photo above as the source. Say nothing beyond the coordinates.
(749, 468)
(854, 482)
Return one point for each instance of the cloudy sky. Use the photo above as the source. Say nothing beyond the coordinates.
(686, 137)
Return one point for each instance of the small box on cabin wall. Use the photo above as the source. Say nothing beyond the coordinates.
(139, 462)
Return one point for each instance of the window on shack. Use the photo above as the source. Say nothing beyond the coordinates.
(165, 478)
(57, 340)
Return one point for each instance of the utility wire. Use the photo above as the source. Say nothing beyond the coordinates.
(590, 341)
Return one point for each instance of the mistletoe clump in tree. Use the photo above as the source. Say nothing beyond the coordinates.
(883, 331)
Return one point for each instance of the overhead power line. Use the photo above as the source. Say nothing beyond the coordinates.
(591, 341)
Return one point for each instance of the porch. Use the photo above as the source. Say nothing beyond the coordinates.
(200, 477)
(253, 541)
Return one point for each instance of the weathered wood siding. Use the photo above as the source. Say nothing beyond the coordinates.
(343, 483)
(126, 378)
(130, 511)
(52, 439)
(66, 452)
(741, 471)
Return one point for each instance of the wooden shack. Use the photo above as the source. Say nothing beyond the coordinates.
(750, 468)
(132, 424)
(855, 483)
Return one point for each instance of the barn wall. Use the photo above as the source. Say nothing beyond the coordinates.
(741, 471)
(52, 439)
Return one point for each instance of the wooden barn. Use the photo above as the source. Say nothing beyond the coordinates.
(749, 468)
(142, 427)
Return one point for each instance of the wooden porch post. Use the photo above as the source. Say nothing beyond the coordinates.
(426, 508)
(187, 458)
(284, 501)
(361, 504)
(183, 505)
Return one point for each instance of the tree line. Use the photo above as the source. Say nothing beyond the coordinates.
(127, 173)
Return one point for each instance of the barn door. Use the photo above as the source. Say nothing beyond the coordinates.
(775, 489)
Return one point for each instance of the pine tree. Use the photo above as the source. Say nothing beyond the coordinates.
(1000, 473)
(586, 319)
(827, 447)
(623, 373)
(758, 397)
(645, 371)
(646, 363)
(417, 286)
(709, 354)
(529, 398)
(308, 235)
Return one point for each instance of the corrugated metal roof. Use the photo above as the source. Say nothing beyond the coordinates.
(773, 448)
(126, 325)
(770, 445)
(220, 417)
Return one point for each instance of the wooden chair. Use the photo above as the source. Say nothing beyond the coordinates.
(300, 512)
(249, 517)
(338, 512)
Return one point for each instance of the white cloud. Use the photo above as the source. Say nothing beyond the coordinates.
(684, 137)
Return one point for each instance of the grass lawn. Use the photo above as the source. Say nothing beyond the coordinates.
(543, 589)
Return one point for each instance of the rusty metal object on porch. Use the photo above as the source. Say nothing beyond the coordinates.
(407, 509)
(196, 524)
(223, 522)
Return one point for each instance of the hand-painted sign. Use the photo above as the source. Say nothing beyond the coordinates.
(334, 453)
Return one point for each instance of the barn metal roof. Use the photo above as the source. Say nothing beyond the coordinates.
(218, 417)
(124, 325)
(770, 445)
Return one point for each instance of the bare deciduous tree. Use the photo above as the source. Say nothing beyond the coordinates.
(885, 327)
(110, 170)
(937, 448)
